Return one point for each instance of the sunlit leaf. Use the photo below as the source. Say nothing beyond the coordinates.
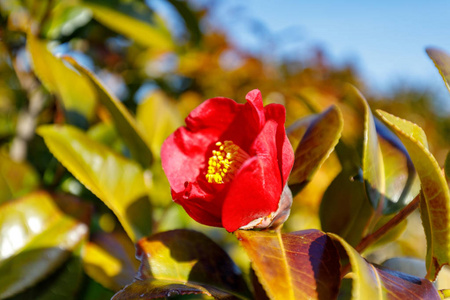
(447, 166)
(109, 259)
(64, 283)
(37, 234)
(320, 138)
(372, 160)
(65, 20)
(435, 203)
(183, 262)
(124, 121)
(298, 265)
(116, 180)
(442, 61)
(146, 34)
(75, 91)
(371, 282)
(401, 181)
(16, 178)
(158, 118)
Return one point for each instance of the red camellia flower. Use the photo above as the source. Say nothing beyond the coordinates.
(229, 166)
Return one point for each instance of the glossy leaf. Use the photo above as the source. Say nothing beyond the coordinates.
(146, 34)
(116, 180)
(297, 265)
(435, 203)
(321, 136)
(372, 160)
(64, 283)
(401, 181)
(79, 103)
(110, 260)
(37, 234)
(372, 282)
(183, 262)
(344, 209)
(124, 121)
(442, 63)
(16, 178)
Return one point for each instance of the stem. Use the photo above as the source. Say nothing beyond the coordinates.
(375, 236)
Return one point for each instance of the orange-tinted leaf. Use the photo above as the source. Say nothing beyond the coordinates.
(372, 282)
(183, 262)
(321, 136)
(435, 203)
(298, 265)
(442, 62)
(123, 120)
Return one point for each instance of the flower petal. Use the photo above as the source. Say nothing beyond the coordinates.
(256, 189)
(183, 156)
(286, 157)
(203, 207)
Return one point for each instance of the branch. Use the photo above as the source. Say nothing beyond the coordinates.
(375, 236)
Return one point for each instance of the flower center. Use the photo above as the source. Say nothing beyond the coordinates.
(225, 162)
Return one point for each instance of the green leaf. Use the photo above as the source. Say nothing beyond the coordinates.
(297, 265)
(64, 283)
(435, 203)
(146, 34)
(183, 262)
(74, 90)
(401, 180)
(158, 118)
(372, 161)
(442, 62)
(16, 178)
(322, 133)
(38, 233)
(190, 19)
(344, 209)
(119, 182)
(124, 121)
(372, 282)
(110, 260)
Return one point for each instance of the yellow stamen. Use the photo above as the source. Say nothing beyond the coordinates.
(224, 163)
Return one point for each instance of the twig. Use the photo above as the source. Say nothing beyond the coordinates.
(375, 236)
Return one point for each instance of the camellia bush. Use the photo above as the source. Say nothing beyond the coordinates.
(293, 189)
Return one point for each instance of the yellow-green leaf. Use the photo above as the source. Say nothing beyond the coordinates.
(435, 203)
(110, 259)
(297, 265)
(16, 178)
(158, 118)
(156, 36)
(321, 136)
(119, 182)
(123, 120)
(182, 262)
(37, 234)
(442, 63)
(73, 89)
(371, 282)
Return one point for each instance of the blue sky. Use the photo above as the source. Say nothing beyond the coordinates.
(385, 39)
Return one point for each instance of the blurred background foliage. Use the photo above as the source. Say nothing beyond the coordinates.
(159, 75)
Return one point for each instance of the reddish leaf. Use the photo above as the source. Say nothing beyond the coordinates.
(182, 262)
(298, 265)
(322, 132)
